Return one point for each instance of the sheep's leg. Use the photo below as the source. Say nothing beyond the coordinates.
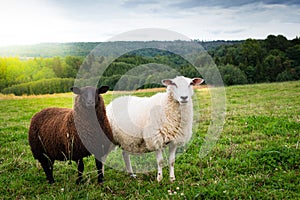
(100, 169)
(126, 158)
(47, 165)
(160, 163)
(80, 167)
(172, 152)
(105, 154)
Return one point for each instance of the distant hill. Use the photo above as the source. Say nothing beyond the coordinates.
(49, 49)
(212, 45)
(77, 49)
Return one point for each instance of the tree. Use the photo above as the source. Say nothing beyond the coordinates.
(44, 73)
(273, 65)
(57, 67)
(289, 74)
(72, 65)
(293, 53)
(251, 53)
(232, 75)
(276, 42)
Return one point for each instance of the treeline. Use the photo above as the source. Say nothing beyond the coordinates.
(274, 59)
(47, 50)
(44, 86)
(250, 61)
(140, 69)
(82, 49)
(15, 71)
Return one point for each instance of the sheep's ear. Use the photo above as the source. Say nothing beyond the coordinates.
(167, 82)
(197, 81)
(102, 89)
(75, 90)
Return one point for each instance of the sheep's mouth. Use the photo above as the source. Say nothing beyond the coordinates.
(90, 106)
(183, 101)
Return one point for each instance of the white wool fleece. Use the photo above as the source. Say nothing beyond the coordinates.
(149, 123)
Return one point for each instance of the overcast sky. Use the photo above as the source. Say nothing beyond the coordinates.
(37, 21)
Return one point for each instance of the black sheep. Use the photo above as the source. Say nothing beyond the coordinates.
(72, 134)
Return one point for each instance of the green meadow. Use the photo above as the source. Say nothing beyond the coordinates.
(257, 156)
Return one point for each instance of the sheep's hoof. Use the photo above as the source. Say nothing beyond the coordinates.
(172, 179)
(79, 181)
(159, 178)
(51, 182)
(100, 184)
(133, 176)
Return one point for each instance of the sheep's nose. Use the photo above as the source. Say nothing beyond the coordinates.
(90, 103)
(184, 97)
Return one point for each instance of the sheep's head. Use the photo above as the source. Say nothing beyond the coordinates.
(89, 96)
(182, 87)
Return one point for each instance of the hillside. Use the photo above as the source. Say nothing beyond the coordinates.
(144, 64)
(49, 49)
(76, 48)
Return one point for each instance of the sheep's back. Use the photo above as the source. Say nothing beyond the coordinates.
(133, 120)
(51, 131)
(130, 112)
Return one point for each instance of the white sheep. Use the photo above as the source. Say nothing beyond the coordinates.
(146, 124)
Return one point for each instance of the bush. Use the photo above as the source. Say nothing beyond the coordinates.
(45, 86)
(232, 75)
(289, 75)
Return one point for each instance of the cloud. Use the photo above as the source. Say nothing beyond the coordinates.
(36, 21)
(137, 3)
(149, 34)
(186, 4)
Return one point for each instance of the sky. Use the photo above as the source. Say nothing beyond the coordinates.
(39, 21)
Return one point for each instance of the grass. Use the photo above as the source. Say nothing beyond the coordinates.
(256, 157)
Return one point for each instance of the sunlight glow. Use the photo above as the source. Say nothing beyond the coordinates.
(28, 22)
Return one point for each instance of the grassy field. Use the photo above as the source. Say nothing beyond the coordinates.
(257, 155)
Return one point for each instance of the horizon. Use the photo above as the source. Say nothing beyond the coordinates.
(217, 40)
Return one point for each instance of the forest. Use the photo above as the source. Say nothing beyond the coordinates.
(251, 61)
